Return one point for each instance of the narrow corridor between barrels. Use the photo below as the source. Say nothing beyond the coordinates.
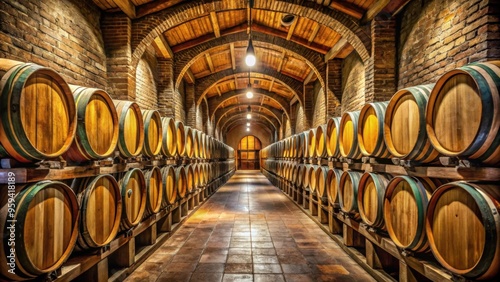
(249, 231)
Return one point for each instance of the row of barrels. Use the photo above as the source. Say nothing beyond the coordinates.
(48, 220)
(42, 117)
(459, 116)
(458, 221)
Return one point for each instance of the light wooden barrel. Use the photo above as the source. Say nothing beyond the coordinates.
(311, 143)
(333, 186)
(97, 127)
(301, 176)
(404, 125)
(169, 185)
(190, 182)
(133, 191)
(196, 175)
(154, 190)
(189, 143)
(405, 204)
(321, 182)
(463, 228)
(301, 144)
(181, 184)
(131, 128)
(348, 138)
(153, 133)
(180, 138)
(45, 231)
(371, 130)
(169, 141)
(196, 143)
(100, 204)
(295, 173)
(348, 192)
(206, 173)
(332, 137)
(310, 178)
(34, 99)
(371, 192)
(321, 150)
(463, 113)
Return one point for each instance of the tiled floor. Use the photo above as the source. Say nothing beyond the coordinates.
(249, 231)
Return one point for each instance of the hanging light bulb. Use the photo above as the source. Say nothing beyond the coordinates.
(248, 124)
(250, 57)
(249, 91)
(249, 115)
(248, 128)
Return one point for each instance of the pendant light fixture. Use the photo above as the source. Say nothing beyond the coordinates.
(249, 115)
(249, 88)
(250, 59)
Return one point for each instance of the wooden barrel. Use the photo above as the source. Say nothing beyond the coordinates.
(301, 147)
(404, 125)
(348, 138)
(321, 182)
(169, 143)
(311, 143)
(190, 182)
(180, 138)
(181, 184)
(189, 143)
(153, 133)
(206, 173)
(320, 137)
(169, 185)
(34, 99)
(370, 130)
(131, 128)
(295, 172)
(301, 177)
(348, 192)
(332, 137)
(209, 146)
(97, 127)
(196, 143)
(154, 190)
(463, 228)
(333, 186)
(133, 191)
(310, 178)
(405, 204)
(196, 176)
(371, 192)
(100, 204)
(463, 113)
(44, 225)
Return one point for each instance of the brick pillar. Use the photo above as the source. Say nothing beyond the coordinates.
(116, 32)
(293, 118)
(189, 101)
(308, 105)
(334, 83)
(381, 68)
(166, 87)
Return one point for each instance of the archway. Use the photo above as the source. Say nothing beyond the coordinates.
(248, 153)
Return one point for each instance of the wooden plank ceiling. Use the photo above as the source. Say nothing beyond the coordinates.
(207, 27)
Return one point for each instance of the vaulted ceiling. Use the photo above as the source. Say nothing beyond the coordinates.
(288, 48)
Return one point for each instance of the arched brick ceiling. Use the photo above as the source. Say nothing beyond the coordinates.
(270, 111)
(235, 123)
(259, 116)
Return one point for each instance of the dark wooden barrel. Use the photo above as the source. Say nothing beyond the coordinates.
(180, 138)
(404, 125)
(332, 137)
(348, 192)
(153, 133)
(133, 191)
(34, 99)
(405, 205)
(301, 144)
(371, 130)
(181, 184)
(348, 139)
(301, 176)
(131, 128)
(321, 150)
(371, 192)
(169, 185)
(463, 113)
(463, 228)
(97, 127)
(333, 186)
(169, 143)
(100, 210)
(45, 228)
(154, 190)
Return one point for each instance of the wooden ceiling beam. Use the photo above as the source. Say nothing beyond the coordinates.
(282, 61)
(190, 78)
(218, 90)
(314, 32)
(373, 11)
(348, 8)
(215, 24)
(271, 85)
(309, 77)
(155, 6)
(233, 57)
(292, 28)
(162, 49)
(335, 49)
(209, 62)
(235, 82)
(127, 7)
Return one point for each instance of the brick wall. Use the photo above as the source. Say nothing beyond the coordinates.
(353, 83)
(234, 136)
(63, 35)
(319, 116)
(146, 81)
(299, 120)
(179, 109)
(440, 35)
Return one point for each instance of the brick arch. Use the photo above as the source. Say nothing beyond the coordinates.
(235, 123)
(146, 29)
(184, 59)
(275, 113)
(207, 82)
(241, 116)
(215, 102)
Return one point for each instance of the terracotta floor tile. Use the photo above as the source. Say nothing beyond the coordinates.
(296, 268)
(206, 277)
(266, 268)
(210, 267)
(262, 245)
(239, 259)
(238, 268)
(240, 251)
(237, 278)
(268, 278)
(264, 251)
(174, 277)
(265, 259)
(213, 258)
(180, 267)
(299, 278)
